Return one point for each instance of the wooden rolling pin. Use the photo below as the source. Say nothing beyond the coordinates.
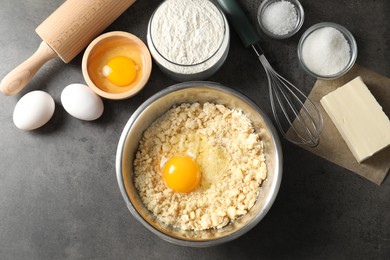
(65, 33)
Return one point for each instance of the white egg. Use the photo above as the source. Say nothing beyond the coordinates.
(33, 110)
(81, 102)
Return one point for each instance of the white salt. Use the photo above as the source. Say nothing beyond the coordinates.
(326, 51)
(280, 17)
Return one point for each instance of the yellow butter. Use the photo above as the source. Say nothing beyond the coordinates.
(359, 118)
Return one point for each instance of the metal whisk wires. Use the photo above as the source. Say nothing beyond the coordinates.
(296, 116)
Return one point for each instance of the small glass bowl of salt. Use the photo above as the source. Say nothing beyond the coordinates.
(280, 19)
(327, 50)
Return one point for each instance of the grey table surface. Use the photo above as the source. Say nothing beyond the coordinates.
(59, 197)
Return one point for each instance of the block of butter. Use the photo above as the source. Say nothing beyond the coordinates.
(359, 118)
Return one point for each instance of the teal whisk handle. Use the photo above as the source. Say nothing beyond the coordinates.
(240, 21)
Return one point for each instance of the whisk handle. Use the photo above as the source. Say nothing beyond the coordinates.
(240, 21)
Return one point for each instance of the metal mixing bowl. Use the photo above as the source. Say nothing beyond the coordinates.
(157, 105)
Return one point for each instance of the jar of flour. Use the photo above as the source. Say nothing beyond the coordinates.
(188, 39)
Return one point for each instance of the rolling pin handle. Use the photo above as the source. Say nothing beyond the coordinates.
(19, 77)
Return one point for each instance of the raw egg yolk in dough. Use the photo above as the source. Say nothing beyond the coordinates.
(182, 174)
(120, 70)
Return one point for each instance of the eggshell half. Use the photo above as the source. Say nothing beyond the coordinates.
(81, 102)
(33, 110)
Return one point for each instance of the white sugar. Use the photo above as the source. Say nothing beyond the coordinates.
(280, 17)
(326, 51)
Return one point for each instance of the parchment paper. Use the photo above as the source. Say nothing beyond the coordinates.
(332, 146)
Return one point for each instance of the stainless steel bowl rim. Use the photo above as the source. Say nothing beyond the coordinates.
(131, 121)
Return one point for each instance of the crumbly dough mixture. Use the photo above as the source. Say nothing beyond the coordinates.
(229, 152)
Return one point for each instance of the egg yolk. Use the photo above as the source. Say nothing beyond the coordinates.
(182, 174)
(120, 70)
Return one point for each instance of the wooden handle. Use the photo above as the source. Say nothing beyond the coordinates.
(70, 28)
(18, 78)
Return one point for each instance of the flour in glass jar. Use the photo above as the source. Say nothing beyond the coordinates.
(187, 32)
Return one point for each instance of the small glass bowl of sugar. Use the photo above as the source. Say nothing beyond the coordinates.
(280, 19)
(327, 50)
